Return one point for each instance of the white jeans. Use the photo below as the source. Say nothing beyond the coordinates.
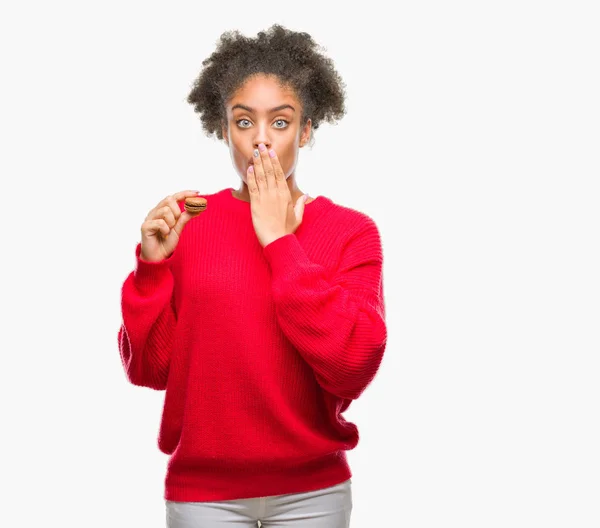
(324, 508)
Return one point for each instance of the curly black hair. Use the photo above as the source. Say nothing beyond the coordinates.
(292, 56)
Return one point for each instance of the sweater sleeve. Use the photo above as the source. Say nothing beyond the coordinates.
(336, 321)
(148, 323)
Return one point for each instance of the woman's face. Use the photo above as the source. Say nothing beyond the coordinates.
(262, 111)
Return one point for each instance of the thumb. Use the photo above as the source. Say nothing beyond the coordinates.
(183, 219)
(299, 207)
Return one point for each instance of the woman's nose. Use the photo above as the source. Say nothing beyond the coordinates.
(261, 136)
(266, 142)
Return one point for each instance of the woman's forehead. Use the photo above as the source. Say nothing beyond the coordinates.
(263, 93)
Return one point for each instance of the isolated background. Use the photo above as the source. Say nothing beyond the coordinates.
(472, 140)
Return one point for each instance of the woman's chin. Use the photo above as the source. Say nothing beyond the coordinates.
(243, 176)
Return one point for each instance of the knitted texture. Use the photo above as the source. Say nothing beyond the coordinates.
(259, 350)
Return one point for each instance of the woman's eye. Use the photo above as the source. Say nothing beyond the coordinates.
(245, 123)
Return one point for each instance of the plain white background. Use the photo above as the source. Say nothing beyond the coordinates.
(471, 139)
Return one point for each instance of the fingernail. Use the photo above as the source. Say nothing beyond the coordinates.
(272, 153)
(262, 147)
(255, 153)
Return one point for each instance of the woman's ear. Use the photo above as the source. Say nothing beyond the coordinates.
(225, 133)
(305, 134)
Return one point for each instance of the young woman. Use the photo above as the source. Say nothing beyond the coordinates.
(262, 317)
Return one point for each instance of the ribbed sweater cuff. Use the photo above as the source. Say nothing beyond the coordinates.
(286, 256)
(148, 276)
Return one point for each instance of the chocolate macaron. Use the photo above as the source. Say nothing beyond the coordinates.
(195, 204)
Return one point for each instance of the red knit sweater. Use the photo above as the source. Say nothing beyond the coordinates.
(260, 350)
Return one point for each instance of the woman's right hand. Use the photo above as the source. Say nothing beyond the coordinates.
(163, 226)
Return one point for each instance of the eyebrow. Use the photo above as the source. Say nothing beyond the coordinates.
(276, 109)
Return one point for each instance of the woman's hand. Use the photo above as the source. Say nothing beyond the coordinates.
(273, 212)
(163, 226)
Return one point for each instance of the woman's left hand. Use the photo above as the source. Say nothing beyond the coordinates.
(273, 212)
